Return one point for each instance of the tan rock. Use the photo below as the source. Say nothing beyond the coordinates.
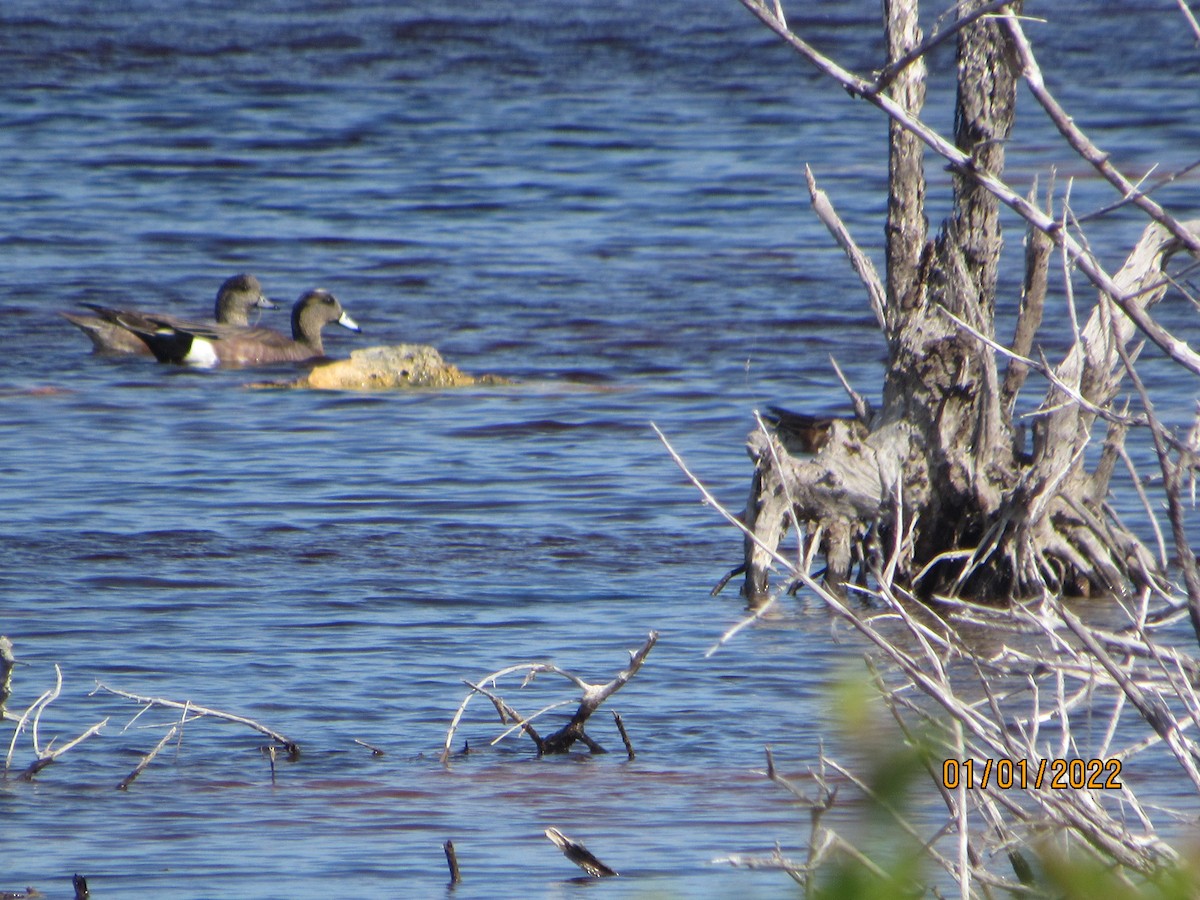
(389, 368)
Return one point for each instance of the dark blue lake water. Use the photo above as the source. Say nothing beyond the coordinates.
(604, 202)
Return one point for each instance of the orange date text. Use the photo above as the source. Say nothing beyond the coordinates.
(1056, 774)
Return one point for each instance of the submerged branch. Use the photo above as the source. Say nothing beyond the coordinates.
(289, 745)
(562, 740)
(33, 716)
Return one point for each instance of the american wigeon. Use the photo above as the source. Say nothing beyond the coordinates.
(109, 333)
(240, 347)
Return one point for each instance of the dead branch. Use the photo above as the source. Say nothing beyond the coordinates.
(375, 751)
(964, 165)
(860, 261)
(853, 480)
(292, 748)
(562, 740)
(452, 862)
(47, 756)
(1029, 314)
(145, 760)
(776, 861)
(33, 717)
(1191, 19)
(1128, 667)
(862, 406)
(620, 723)
(508, 714)
(994, 520)
(1083, 145)
(907, 229)
(580, 855)
(759, 611)
(7, 661)
(1172, 486)
(889, 72)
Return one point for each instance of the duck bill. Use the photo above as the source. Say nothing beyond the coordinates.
(265, 302)
(346, 322)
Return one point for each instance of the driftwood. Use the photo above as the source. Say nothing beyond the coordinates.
(852, 484)
(562, 740)
(32, 718)
(145, 760)
(78, 882)
(580, 855)
(47, 753)
(7, 661)
(198, 712)
(942, 471)
(375, 751)
(452, 862)
(620, 723)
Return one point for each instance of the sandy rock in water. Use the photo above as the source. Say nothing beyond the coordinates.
(383, 368)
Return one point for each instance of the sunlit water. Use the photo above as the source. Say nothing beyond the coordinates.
(602, 201)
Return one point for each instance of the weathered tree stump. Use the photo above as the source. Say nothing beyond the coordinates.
(938, 486)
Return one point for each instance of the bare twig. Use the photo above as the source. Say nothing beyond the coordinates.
(1171, 485)
(629, 752)
(375, 751)
(1029, 316)
(1191, 19)
(862, 406)
(861, 262)
(759, 611)
(145, 760)
(1083, 145)
(33, 715)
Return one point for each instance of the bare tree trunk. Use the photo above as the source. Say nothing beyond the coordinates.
(940, 380)
(907, 227)
(941, 486)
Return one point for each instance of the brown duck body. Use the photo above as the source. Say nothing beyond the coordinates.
(233, 348)
(110, 333)
(803, 433)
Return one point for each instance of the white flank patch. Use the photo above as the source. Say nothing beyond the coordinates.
(202, 354)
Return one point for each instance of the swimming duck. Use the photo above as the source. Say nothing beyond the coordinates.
(237, 296)
(222, 345)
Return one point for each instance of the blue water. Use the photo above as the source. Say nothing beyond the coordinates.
(604, 202)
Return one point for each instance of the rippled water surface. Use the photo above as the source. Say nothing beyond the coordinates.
(603, 202)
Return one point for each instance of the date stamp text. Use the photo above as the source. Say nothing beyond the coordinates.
(1057, 774)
